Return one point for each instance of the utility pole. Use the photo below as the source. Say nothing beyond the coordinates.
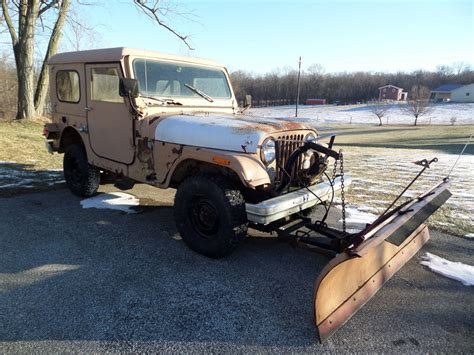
(298, 88)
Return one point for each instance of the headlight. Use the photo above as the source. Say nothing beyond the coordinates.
(311, 137)
(267, 153)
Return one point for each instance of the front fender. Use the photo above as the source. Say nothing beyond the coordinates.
(250, 170)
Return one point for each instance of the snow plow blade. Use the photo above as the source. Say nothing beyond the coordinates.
(352, 277)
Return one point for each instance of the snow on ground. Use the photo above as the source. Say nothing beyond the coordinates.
(24, 183)
(15, 175)
(113, 200)
(454, 270)
(378, 175)
(360, 114)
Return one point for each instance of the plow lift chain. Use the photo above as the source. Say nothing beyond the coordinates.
(333, 182)
(343, 196)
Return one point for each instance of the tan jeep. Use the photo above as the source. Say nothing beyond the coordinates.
(133, 116)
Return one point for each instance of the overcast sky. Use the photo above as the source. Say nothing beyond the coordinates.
(262, 35)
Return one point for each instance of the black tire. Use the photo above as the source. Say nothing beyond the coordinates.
(82, 178)
(210, 215)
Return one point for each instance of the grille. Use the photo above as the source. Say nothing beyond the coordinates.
(285, 145)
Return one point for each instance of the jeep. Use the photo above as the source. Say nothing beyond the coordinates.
(133, 116)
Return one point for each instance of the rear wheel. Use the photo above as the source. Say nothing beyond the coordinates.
(82, 178)
(210, 215)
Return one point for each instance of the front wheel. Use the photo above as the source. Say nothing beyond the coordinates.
(82, 178)
(210, 215)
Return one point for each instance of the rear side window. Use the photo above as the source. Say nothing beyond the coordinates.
(67, 86)
(105, 85)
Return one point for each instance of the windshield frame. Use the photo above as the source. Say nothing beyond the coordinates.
(196, 100)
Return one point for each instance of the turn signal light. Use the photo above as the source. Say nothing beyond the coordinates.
(221, 161)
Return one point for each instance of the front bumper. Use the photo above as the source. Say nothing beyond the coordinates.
(285, 205)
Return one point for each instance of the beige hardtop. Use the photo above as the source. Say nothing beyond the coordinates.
(118, 53)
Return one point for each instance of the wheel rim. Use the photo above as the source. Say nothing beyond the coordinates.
(205, 218)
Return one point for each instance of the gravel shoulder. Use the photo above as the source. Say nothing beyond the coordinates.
(88, 280)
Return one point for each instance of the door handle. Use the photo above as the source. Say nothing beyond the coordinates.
(87, 108)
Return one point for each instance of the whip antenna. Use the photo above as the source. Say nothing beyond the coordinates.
(459, 156)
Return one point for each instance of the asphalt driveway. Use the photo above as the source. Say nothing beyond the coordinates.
(74, 279)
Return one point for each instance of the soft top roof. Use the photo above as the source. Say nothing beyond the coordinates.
(116, 54)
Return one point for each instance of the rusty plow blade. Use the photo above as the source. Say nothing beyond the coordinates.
(352, 277)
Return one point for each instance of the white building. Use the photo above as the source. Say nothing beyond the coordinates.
(463, 94)
(454, 93)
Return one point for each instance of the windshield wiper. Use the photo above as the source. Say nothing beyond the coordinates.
(163, 101)
(199, 92)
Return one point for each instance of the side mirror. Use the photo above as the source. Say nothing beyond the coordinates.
(247, 101)
(128, 87)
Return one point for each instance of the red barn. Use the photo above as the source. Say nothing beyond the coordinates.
(392, 92)
(315, 102)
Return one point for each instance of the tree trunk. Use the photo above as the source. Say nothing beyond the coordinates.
(23, 51)
(42, 86)
(416, 119)
(24, 72)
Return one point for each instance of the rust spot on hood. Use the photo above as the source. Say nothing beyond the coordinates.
(153, 119)
(270, 127)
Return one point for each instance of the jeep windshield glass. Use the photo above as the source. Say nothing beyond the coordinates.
(165, 80)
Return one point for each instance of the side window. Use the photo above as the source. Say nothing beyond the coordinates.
(67, 86)
(105, 85)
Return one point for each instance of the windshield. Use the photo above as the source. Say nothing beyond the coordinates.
(157, 78)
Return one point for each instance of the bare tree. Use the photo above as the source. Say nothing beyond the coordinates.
(27, 13)
(460, 67)
(418, 105)
(8, 84)
(24, 18)
(78, 35)
(379, 109)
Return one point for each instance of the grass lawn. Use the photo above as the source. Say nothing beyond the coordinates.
(448, 139)
(22, 142)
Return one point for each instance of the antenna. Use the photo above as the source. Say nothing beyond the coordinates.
(298, 88)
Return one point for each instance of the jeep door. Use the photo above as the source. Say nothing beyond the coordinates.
(109, 120)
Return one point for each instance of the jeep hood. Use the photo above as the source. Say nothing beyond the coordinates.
(226, 132)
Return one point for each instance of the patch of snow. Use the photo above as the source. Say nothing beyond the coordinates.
(113, 200)
(441, 114)
(17, 184)
(357, 216)
(454, 270)
(469, 235)
(51, 183)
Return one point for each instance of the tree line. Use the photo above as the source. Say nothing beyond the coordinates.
(279, 87)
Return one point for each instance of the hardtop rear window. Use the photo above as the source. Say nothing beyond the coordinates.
(68, 87)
